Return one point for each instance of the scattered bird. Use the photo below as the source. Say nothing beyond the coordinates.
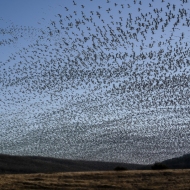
(101, 76)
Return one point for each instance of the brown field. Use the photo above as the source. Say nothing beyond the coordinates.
(133, 179)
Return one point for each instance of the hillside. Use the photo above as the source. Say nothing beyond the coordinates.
(182, 162)
(34, 164)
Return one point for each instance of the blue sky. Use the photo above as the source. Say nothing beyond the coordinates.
(102, 71)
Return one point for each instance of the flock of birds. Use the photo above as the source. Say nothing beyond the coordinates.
(109, 84)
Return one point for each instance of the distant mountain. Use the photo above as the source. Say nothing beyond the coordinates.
(34, 164)
(182, 162)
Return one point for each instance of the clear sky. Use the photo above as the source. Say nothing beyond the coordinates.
(108, 78)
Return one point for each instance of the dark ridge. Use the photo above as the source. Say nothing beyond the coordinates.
(182, 162)
(35, 164)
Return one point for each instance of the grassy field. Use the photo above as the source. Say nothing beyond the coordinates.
(136, 180)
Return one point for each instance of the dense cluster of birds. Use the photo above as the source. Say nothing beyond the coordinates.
(109, 84)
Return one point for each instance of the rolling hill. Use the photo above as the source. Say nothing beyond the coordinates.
(35, 164)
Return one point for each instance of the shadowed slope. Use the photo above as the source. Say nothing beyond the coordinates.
(34, 164)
